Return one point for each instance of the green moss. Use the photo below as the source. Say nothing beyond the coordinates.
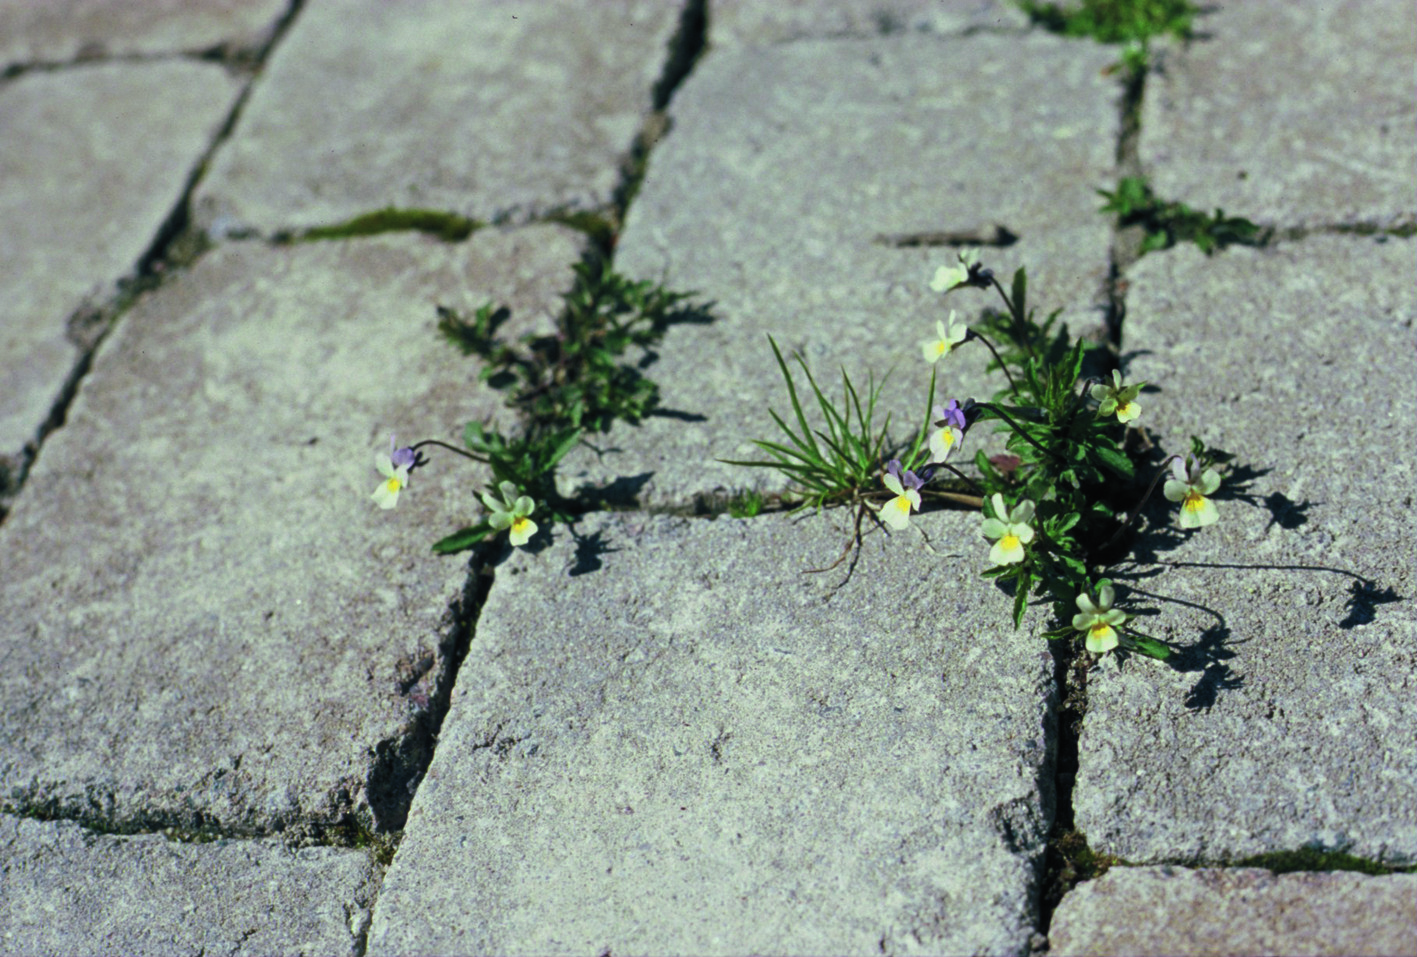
(746, 504)
(600, 228)
(1313, 859)
(449, 227)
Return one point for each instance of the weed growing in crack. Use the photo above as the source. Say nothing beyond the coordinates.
(1131, 23)
(1056, 508)
(563, 386)
(1167, 224)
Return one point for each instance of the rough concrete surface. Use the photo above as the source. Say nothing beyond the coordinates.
(668, 739)
(52, 32)
(244, 710)
(1284, 726)
(94, 161)
(424, 124)
(755, 22)
(66, 890)
(196, 629)
(1209, 911)
(1336, 140)
(782, 171)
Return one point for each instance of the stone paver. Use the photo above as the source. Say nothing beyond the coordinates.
(785, 165)
(94, 161)
(69, 891)
(479, 108)
(757, 22)
(55, 32)
(206, 621)
(1288, 725)
(667, 739)
(1289, 114)
(1172, 910)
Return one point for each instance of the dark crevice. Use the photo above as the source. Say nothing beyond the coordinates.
(401, 762)
(685, 48)
(1068, 859)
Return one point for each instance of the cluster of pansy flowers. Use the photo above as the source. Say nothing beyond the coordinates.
(1007, 527)
(507, 509)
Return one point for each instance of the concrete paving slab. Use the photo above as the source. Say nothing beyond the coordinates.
(1172, 910)
(88, 29)
(1289, 114)
(206, 620)
(1287, 725)
(666, 738)
(757, 22)
(71, 891)
(783, 170)
(493, 112)
(94, 162)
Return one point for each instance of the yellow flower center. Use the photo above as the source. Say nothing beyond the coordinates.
(1194, 502)
(393, 485)
(1100, 630)
(901, 504)
(520, 524)
(1009, 541)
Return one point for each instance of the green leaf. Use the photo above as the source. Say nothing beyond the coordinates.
(1150, 647)
(462, 539)
(1112, 460)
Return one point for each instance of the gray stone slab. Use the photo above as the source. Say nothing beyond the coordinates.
(1288, 723)
(759, 22)
(56, 32)
(478, 108)
(1171, 910)
(668, 739)
(783, 168)
(71, 891)
(1290, 114)
(205, 618)
(94, 162)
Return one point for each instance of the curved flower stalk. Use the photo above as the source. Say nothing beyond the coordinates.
(1189, 484)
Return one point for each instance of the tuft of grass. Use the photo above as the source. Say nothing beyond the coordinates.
(828, 466)
(1169, 223)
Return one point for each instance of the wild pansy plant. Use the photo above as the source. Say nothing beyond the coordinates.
(562, 385)
(1054, 507)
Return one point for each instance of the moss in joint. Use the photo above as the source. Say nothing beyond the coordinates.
(449, 227)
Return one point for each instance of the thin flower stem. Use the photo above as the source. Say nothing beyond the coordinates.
(1132, 515)
(1013, 386)
(1018, 429)
(973, 484)
(1018, 319)
(450, 448)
